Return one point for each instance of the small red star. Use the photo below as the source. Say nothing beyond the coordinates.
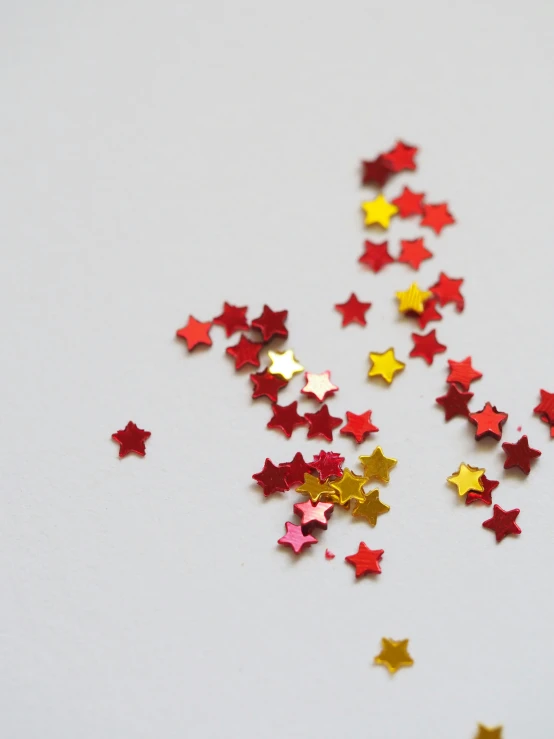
(430, 313)
(462, 373)
(409, 203)
(413, 253)
(295, 539)
(366, 560)
(267, 385)
(503, 522)
(426, 346)
(376, 256)
(447, 290)
(489, 421)
(359, 426)
(286, 418)
(353, 311)
(436, 217)
(296, 469)
(519, 455)
(484, 497)
(131, 439)
(232, 319)
(401, 157)
(272, 479)
(195, 332)
(322, 423)
(327, 464)
(313, 515)
(455, 403)
(245, 352)
(319, 386)
(271, 323)
(546, 406)
(376, 172)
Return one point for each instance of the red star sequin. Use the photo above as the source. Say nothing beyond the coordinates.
(409, 203)
(436, 217)
(455, 403)
(546, 406)
(195, 332)
(376, 172)
(131, 439)
(322, 423)
(401, 157)
(232, 319)
(286, 418)
(353, 311)
(267, 385)
(327, 464)
(295, 539)
(271, 323)
(245, 352)
(430, 313)
(313, 515)
(358, 425)
(489, 421)
(484, 497)
(462, 373)
(447, 290)
(366, 560)
(376, 256)
(296, 469)
(519, 455)
(272, 479)
(426, 346)
(503, 522)
(413, 253)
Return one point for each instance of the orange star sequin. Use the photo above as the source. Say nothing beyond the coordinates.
(195, 333)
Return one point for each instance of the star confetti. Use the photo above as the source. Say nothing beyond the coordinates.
(313, 515)
(384, 365)
(502, 522)
(319, 386)
(296, 469)
(409, 203)
(489, 421)
(426, 346)
(430, 313)
(485, 496)
(272, 479)
(245, 352)
(349, 487)
(370, 508)
(366, 560)
(267, 385)
(437, 217)
(327, 464)
(195, 333)
(462, 373)
(284, 364)
(455, 403)
(358, 425)
(467, 478)
(413, 253)
(376, 256)
(353, 311)
(487, 733)
(447, 290)
(232, 319)
(377, 466)
(394, 654)
(295, 539)
(286, 418)
(376, 172)
(519, 455)
(131, 439)
(401, 157)
(314, 488)
(412, 299)
(271, 323)
(378, 211)
(322, 423)
(546, 406)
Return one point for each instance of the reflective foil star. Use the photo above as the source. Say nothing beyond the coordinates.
(467, 478)
(402, 157)
(195, 333)
(376, 172)
(454, 403)
(319, 386)
(272, 479)
(437, 217)
(245, 352)
(271, 323)
(502, 522)
(426, 346)
(546, 406)
(313, 515)
(267, 385)
(462, 373)
(295, 539)
(322, 423)
(314, 488)
(378, 212)
(370, 508)
(131, 439)
(349, 487)
(353, 311)
(284, 364)
(413, 253)
(489, 421)
(358, 425)
(484, 497)
(487, 733)
(520, 455)
(409, 203)
(296, 469)
(327, 464)
(447, 290)
(412, 299)
(376, 256)
(232, 319)
(366, 560)
(377, 466)
(384, 365)
(286, 418)
(394, 654)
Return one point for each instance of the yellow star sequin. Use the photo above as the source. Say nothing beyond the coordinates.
(412, 299)
(467, 478)
(377, 466)
(394, 654)
(349, 487)
(313, 487)
(384, 365)
(484, 733)
(284, 364)
(370, 508)
(379, 211)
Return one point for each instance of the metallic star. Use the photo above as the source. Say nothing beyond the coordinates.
(313, 515)
(319, 386)
(131, 439)
(295, 539)
(371, 508)
(366, 560)
(349, 487)
(314, 488)
(467, 478)
(486, 733)
(377, 466)
(284, 364)
(384, 365)
(379, 211)
(394, 654)
(412, 299)
(503, 522)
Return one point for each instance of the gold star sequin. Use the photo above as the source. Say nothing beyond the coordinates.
(412, 299)
(379, 211)
(284, 364)
(384, 365)
(377, 466)
(467, 478)
(394, 654)
(484, 733)
(370, 508)
(314, 488)
(349, 487)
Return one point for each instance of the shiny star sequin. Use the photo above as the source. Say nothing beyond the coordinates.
(319, 386)
(483, 732)
(314, 488)
(489, 421)
(370, 508)
(195, 333)
(402, 157)
(384, 365)
(462, 373)
(377, 466)
(409, 203)
(313, 515)
(271, 324)
(519, 455)
(353, 311)
(295, 539)
(272, 479)
(412, 299)
(394, 654)
(232, 319)
(484, 497)
(454, 403)
(378, 211)
(322, 423)
(447, 290)
(349, 487)
(413, 252)
(430, 313)
(296, 469)
(426, 346)
(286, 418)
(284, 364)
(503, 522)
(366, 560)
(131, 439)
(437, 217)
(245, 352)
(327, 464)
(467, 478)
(358, 425)
(376, 256)
(376, 172)
(267, 385)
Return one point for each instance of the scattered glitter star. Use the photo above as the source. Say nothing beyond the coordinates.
(313, 515)
(394, 654)
(467, 478)
(271, 323)
(131, 439)
(426, 346)
(272, 479)
(409, 203)
(485, 496)
(358, 425)
(232, 319)
(319, 386)
(284, 364)
(412, 299)
(462, 373)
(295, 539)
(245, 352)
(296, 469)
(489, 421)
(378, 211)
(447, 290)
(377, 466)
(430, 313)
(353, 311)
(327, 464)
(413, 253)
(384, 365)
(376, 172)
(329, 554)
(286, 418)
(366, 560)
(486, 733)
(519, 455)
(195, 332)
(454, 403)
(314, 488)
(401, 157)
(436, 217)
(322, 423)
(349, 487)
(371, 508)
(502, 522)
(376, 256)
(267, 385)
(546, 406)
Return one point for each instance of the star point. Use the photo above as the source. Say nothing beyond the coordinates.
(385, 365)
(467, 478)
(284, 364)
(378, 211)
(394, 654)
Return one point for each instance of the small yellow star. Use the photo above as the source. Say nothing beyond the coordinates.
(467, 478)
(313, 487)
(284, 364)
(379, 211)
(384, 365)
(412, 299)
(485, 733)
(371, 507)
(377, 466)
(394, 654)
(349, 487)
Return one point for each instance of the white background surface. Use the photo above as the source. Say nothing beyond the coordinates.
(159, 158)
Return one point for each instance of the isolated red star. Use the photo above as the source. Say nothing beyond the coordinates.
(503, 522)
(426, 346)
(376, 256)
(376, 172)
(546, 406)
(286, 418)
(366, 560)
(447, 290)
(131, 439)
(462, 373)
(271, 323)
(413, 253)
(245, 352)
(295, 539)
(409, 203)
(430, 313)
(266, 384)
(401, 157)
(485, 497)
(319, 386)
(296, 469)
(272, 479)
(455, 403)
(232, 319)
(436, 217)
(195, 332)
(313, 515)
(327, 464)
(353, 311)
(519, 455)
(358, 425)
(322, 423)
(489, 421)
